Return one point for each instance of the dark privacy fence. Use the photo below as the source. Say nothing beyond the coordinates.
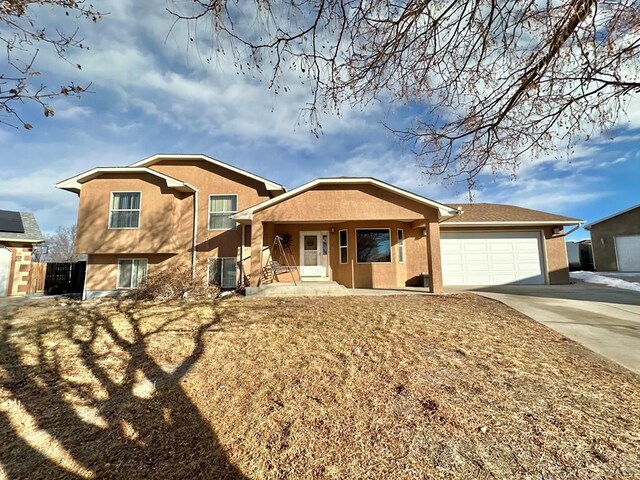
(64, 277)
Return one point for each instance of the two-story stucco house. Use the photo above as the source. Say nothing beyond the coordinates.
(174, 210)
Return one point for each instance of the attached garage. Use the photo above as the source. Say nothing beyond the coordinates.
(628, 253)
(492, 258)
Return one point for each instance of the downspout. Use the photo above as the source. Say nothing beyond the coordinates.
(195, 235)
(242, 285)
(571, 231)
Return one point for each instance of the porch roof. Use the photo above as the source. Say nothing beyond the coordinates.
(245, 216)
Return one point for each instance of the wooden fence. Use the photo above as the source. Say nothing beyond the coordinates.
(64, 277)
(36, 277)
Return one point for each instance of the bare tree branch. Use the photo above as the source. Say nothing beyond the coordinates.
(496, 81)
(22, 40)
(61, 245)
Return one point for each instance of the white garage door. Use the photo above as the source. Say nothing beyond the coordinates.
(494, 258)
(628, 253)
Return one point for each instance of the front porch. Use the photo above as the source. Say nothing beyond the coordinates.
(358, 232)
(380, 254)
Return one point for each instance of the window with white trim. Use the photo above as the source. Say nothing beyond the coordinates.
(373, 245)
(124, 210)
(400, 245)
(223, 272)
(221, 207)
(131, 272)
(344, 246)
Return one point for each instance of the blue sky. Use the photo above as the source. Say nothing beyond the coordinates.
(152, 92)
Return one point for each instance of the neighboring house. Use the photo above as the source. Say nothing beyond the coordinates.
(615, 241)
(359, 232)
(19, 233)
(580, 255)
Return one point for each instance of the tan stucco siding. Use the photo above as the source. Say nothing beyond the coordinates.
(354, 274)
(165, 217)
(102, 269)
(557, 260)
(211, 179)
(19, 267)
(554, 250)
(165, 235)
(352, 207)
(333, 203)
(603, 238)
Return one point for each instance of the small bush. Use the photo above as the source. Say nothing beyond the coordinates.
(175, 283)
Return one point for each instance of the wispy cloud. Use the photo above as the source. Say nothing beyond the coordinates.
(155, 91)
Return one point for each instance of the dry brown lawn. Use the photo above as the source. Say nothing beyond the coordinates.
(453, 387)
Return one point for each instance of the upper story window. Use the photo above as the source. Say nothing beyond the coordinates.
(125, 210)
(221, 207)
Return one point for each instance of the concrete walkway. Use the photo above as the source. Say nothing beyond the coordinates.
(323, 289)
(7, 303)
(604, 319)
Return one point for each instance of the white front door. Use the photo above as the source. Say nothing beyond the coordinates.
(5, 265)
(314, 255)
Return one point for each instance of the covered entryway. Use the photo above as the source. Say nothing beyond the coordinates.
(492, 258)
(628, 253)
(5, 269)
(325, 217)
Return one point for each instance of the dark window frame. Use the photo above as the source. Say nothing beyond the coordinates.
(388, 240)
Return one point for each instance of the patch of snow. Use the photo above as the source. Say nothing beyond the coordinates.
(591, 277)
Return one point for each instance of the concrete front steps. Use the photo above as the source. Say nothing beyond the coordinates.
(305, 289)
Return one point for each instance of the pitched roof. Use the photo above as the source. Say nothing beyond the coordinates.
(268, 184)
(31, 233)
(74, 184)
(494, 213)
(443, 210)
(589, 225)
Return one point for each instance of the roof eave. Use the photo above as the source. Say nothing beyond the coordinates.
(268, 184)
(617, 214)
(72, 189)
(21, 240)
(507, 223)
(74, 184)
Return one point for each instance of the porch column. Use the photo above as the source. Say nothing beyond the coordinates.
(434, 259)
(256, 251)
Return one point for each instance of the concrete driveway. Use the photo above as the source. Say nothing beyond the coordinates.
(604, 319)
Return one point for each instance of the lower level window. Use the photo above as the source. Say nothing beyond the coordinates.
(373, 245)
(131, 272)
(222, 272)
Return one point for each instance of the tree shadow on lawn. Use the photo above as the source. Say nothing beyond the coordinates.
(76, 407)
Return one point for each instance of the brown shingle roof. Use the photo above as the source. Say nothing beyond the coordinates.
(494, 212)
